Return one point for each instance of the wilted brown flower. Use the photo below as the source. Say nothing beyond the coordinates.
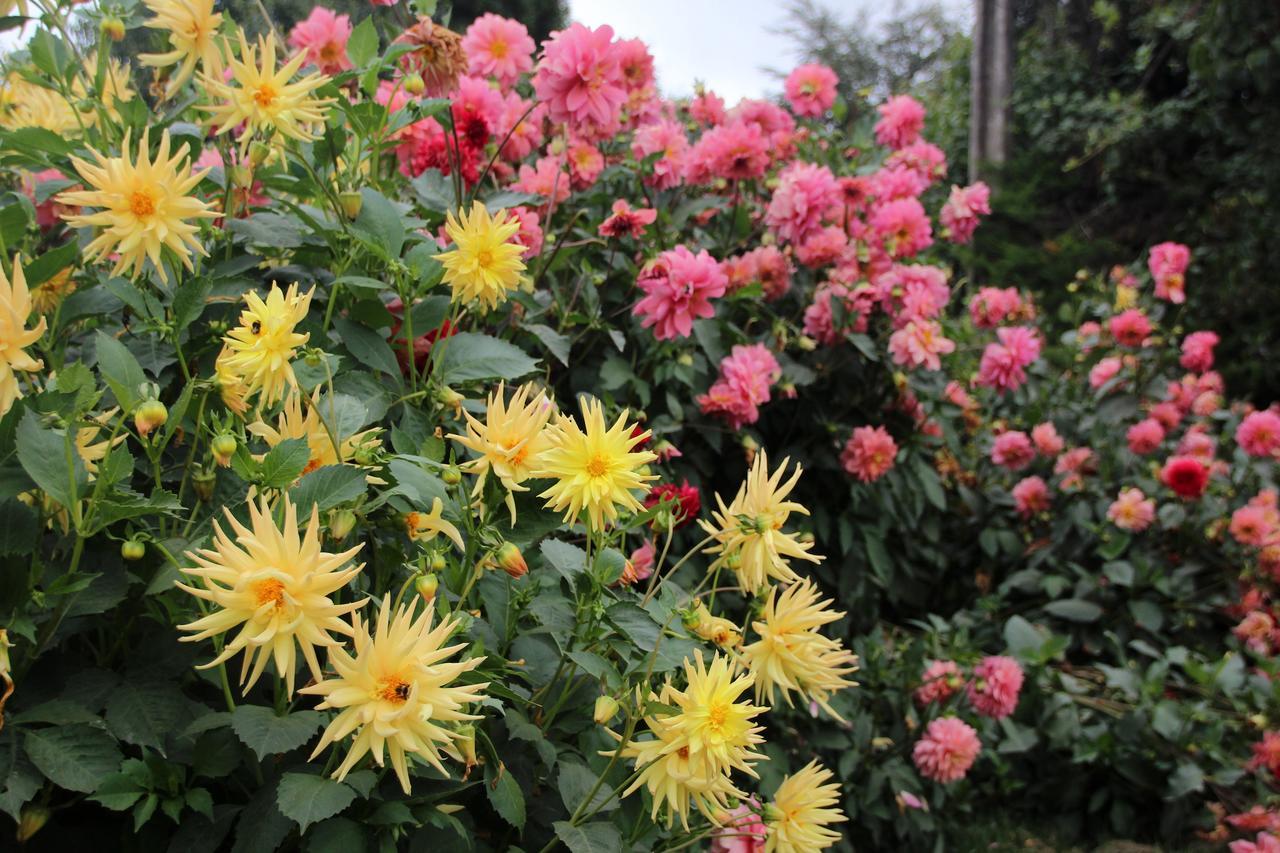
(437, 56)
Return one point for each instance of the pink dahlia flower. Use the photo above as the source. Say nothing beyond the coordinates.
(1130, 328)
(902, 226)
(1104, 371)
(323, 38)
(1145, 436)
(665, 137)
(1046, 439)
(939, 682)
(735, 151)
(960, 214)
(1003, 364)
(919, 344)
(993, 692)
(869, 453)
(805, 192)
(498, 47)
(683, 294)
(1168, 264)
(1197, 351)
(901, 120)
(992, 306)
(947, 750)
(1030, 496)
(1012, 450)
(1259, 433)
(811, 90)
(1132, 510)
(746, 376)
(580, 80)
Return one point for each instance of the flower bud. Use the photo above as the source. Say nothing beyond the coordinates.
(341, 522)
(466, 744)
(241, 176)
(414, 84)
(133, 549)
(203, 482)
(511, 560)
(223, 448)
(606, 708)
(806, 343)
(426, 585)
(259, 152)
(449, 397)
(451, 476)
(351, 202)
(113, 28)
(437, 562)
(150, 415)
(685, 360)
(32, 818)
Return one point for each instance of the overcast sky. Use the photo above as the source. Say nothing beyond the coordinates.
(727, 44)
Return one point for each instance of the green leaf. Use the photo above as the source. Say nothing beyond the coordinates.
(379, 223)
(77, 757)
(19, 527)
(189, 302)
(597, 837)
(635, 624)
(47, 265)
(1186, 779)
(362, 46)
(120, 370)
(121, 790)
(878, 556)
(1022, 638)
(556, 343)
(306, 799)
(504, 794)
(266, 734)
(144, 714)
(327, 487)
(575, 781)
(469, 356)
(568, 560)
(1074, 610)
(46, 455)
(284, 462)
(369, 348)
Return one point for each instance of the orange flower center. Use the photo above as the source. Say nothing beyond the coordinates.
(393, 689)
(269, 591)
(717, 715)
(265, 95)
(142, 203)
(598, 466)
(498, 49)
(484, 258)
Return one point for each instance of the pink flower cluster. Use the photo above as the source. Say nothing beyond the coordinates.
(746, 377)
(678, 288)
(1168, 264)
(1004, 363)
(960, 214)
(994, 306)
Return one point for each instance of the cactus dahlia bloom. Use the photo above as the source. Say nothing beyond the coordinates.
(804, 804)
(748, 531)
(292, 423)
(511, 441)
(275, 585)
(597, 468)
(262, 346)
(485, 261)
(694, 751)
(261, 97)
(15, 337)
(143, 206)
(792, 655)
(436, 55)
(397, 692)
(192, 26)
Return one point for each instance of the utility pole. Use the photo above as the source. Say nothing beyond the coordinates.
(991, 73)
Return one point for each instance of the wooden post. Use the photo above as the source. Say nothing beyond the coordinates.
(991, 70)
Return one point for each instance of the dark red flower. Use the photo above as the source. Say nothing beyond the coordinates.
(686, 498)
(1186, 475)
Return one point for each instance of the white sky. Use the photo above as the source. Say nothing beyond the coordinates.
(727, 44)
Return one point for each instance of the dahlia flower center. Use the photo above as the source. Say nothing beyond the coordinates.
(269, 591)
(484, 258)
(142, 202)
(498, 49)
(717, 716)
(330, 51)
(598, 466)
(265, 95)
(393, 689)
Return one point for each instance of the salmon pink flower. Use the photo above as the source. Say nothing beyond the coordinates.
(960, 214)
(993, 692)
(1197, 351)
(902, 226)
(1145, 436)
(1046, 439)
(1259, 433)
(869, 453)
(939, 682)
(580, 80)
(746, 376)
(1168, 264)
(805, 192)
(498, 47)
(993, 306)
(901, 120)
(1132, 510)
(666, 137)
(919, 344)
(323, 38)
(1030, 496)
(1104, 371)
(674, 300)
(625, 222)
(1012, 450)
(1130, 328)
(947, 750)
(811, 90)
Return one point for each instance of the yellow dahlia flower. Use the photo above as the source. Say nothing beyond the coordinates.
(231, 385)
(792, 655)
(264, 343)
(48, 296)
(293, 424)
(748, 532)
(28, 105)
(597, 469)
(7, 7)
(693, 752)
(144, 206)
(15, 337)
(397, 692)
(262, 98)
(511, 441)
(116, 88)
(274, 583)
(425, 525)
(805, 803)
(714, 629)
(192, 26)
(484, 263)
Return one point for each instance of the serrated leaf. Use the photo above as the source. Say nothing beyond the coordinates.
(379, 223)
(267, 734)
(78, 757)
(362, 46)
(144, 714)
(46, 456)
(327, 487)
(504, 794)
(306, 799)
(556, 343)
(368, 347)
(568, 560)
(598, 837)
(120, 370)
(284, 462)
(574, 782)
(470, 356)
